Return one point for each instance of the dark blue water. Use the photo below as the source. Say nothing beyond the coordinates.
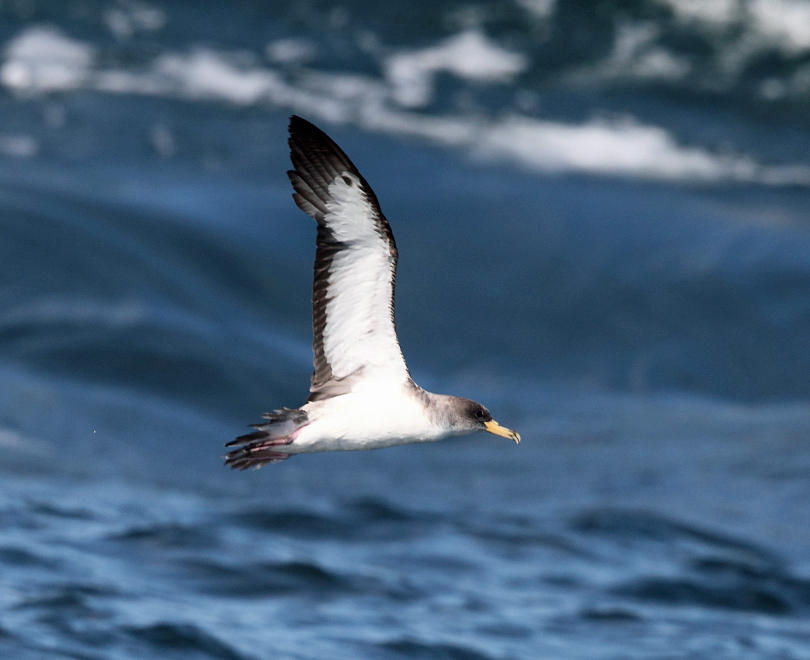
(602, 217)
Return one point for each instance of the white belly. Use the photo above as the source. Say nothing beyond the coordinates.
(365, 420)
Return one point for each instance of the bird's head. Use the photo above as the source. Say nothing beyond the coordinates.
(476, 417)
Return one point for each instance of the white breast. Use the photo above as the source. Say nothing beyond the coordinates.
(367, 418)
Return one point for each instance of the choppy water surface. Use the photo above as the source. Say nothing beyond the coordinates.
(602, 221)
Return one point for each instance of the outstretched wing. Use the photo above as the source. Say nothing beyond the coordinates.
(355, 267)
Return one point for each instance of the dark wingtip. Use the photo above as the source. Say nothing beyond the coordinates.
(300, 127)
(295, 122)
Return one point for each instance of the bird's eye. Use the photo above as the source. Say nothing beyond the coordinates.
(480, 414)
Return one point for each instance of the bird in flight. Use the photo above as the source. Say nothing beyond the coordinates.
(361, 395)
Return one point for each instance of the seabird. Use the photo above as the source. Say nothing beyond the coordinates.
(361, 395)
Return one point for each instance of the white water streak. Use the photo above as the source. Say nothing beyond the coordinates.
(43, 60)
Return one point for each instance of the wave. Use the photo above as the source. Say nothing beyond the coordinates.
(371, 519)
(44, 60)
(11, 555)
(468, 55)
(727, 587)
(187, 638)
(782, 24)
(65, 602)
(646, 526)
(267, 579)
(701, 568)
(413, 648)
(167, 535)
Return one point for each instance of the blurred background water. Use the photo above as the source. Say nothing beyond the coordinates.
(602, 216)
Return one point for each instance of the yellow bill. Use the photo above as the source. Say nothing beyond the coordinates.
(493, 427)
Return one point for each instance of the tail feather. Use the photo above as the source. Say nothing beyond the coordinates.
(255, 449)
(254, 459)
(256, 435)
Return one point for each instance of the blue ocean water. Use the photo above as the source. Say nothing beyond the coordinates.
(602, 218)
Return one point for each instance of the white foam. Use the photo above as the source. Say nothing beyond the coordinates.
(448, 131)
(292, 50)
(128, 17)
(42, 59)
(606, 147)
(542, 9)
(785, 22)
(200, 74)
(603, 147)
(621, 147)
(208, 75)
(636, 55)
(714, 13)
(469, 55)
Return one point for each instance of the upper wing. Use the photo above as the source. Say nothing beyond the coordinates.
(355, 267)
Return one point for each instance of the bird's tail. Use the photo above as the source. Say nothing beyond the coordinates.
(253, 450)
